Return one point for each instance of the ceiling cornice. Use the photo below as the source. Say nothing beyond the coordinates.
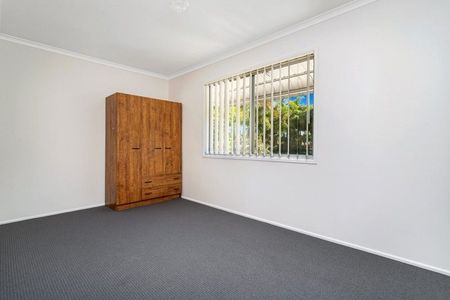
(340, 10)
(88, 58)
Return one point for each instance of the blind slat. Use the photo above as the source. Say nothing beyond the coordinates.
(256, 113)
(211, 119)
(280, 117)
(238, 117)
(207, 93)
(226, 118)
(216, 116)
(307, 107)
(271, 114)
(264, 114)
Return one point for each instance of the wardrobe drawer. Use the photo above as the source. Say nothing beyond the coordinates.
(173, 189)
(161, 180)
(153, 193)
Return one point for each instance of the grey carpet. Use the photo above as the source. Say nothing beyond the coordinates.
(183, 250)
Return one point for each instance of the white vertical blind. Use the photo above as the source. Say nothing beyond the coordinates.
(226, 118)
(216, 118)
(233, 108)
(244, 102)
(263, 112)
(208, 127)
(271, 111)
(256, 113)
(212, 108)
(307, 101)
(238, 116)
(289, 110)
(221, 116)
(280, 116)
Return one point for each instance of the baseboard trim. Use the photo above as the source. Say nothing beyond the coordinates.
(50, 214)
(326, 238)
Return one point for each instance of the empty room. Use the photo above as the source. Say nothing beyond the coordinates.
(225, 149)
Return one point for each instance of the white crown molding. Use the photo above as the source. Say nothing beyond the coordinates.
(332, 13)
(21, 41)
(327, 238)
(340, 10)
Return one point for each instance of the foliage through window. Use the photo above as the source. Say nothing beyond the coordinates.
(264, 113)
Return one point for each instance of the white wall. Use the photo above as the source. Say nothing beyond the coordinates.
(52, 128)
(382, 134)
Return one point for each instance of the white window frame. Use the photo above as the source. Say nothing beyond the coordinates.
(301, 159)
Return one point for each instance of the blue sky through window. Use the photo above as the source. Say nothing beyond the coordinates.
(301, 99)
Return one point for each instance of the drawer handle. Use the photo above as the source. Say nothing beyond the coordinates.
(136, 148)
(148, 181)
(158, 148)
(148, 193)
(168, 147)
(176, 178)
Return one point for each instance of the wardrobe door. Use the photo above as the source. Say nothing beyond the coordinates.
(157, 142)
(129, 119)
(152, 139)
(147, 141)
(172, 138)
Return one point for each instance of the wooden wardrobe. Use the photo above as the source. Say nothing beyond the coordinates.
(143, 151)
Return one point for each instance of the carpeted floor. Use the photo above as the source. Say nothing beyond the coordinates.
(183, 250)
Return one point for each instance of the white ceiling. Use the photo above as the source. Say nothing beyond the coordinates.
(146, 34)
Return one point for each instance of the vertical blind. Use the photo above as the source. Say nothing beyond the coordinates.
(264, 113)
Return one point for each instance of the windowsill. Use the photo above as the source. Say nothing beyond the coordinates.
(282, 159)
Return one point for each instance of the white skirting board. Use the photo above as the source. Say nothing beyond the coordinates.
(51, 213)
(329, 239)
(362, 248)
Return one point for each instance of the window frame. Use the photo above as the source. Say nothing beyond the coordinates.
(302, 159)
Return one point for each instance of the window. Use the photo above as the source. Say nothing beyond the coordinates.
(264, 114)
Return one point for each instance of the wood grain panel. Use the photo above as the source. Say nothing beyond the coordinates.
(157, 129)
(172, 138)
(172, 189)
(147, 140)
(129, 121)
(152, 193)
(154, 181)
(144, 202)
(111, 150)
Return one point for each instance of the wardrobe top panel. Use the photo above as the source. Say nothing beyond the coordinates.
(143, 97)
